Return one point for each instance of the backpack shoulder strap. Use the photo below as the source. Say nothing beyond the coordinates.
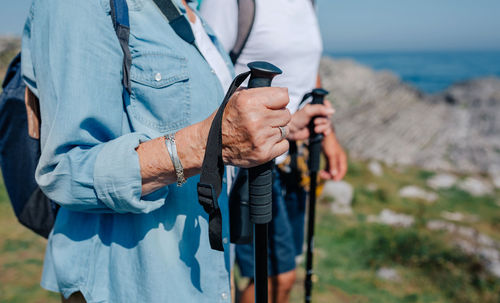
(177, 21)
(119, 15)
(246, 18)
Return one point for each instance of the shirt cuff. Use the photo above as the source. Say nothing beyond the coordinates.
(117, 177)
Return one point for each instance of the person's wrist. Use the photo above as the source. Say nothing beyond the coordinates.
(176, 162)
(193, 141)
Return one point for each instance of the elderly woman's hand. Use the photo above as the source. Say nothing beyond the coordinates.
(251, 132)
(251, 136)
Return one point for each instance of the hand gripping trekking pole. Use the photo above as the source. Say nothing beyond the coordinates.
(318, 96)
(260, 191)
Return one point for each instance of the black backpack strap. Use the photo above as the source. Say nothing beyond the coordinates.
(177, 21)
(212, 170)
(246, 18)
(119, 15)
(121, 24)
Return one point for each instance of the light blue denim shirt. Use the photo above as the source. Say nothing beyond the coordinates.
(110, 242)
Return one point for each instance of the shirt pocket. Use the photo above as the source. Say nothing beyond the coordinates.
(160, 90)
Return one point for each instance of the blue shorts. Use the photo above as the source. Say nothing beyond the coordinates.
(286, 232)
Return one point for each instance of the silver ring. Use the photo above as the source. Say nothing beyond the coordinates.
(283, 132)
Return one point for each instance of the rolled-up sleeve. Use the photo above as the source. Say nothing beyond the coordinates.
(89, 160)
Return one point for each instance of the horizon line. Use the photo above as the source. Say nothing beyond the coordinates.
(395, 50)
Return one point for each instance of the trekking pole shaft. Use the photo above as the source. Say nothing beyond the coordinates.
(260, 264)
(314, 157)
(260, 191)
(310, 237)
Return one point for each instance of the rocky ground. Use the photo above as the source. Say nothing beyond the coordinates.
(424, 236)
(379, 117)
(8, 48)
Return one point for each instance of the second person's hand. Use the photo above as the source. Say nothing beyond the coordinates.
(299, 124)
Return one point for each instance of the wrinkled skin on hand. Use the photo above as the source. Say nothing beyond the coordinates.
(250, 126)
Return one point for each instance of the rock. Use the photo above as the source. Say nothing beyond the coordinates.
(340, 209)
(453, 216)
(459, 217)
(494, 269)
(489, 254)
(389, 274)
(388, 217)
(442, 181)
(467, 232)
(441, 225)
(466, 246)
(472, 242)
(371, 187)
(341, 192)
(375, 168)
(476, 187)
(380, 118)
(495, 179)
(484, 240)
(415, 192)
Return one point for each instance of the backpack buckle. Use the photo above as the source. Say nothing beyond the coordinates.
(207, 197)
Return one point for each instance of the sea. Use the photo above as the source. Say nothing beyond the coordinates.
(430, 71)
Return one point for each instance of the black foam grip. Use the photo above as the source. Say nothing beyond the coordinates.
(261, 177)
(315, 139)
(261, 193)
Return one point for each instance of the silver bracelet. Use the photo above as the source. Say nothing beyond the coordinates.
(172, 151)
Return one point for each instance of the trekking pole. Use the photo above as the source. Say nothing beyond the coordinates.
(260, 191)
(318, 96)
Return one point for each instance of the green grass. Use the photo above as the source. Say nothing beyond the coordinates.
(21, 255)
(349, 250)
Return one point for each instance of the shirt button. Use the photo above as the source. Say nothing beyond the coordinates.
(213, 72)
(224, 240)
(224, 296)
(157, 76)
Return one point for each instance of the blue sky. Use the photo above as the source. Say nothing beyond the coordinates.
(374, 25)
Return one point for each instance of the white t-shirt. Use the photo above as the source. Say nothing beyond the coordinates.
(285, 33)
(211, 54)
(219, 67)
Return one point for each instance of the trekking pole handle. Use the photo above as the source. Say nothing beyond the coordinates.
(260, 177)
(315, 139)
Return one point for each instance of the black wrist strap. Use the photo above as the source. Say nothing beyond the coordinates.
(212, 171)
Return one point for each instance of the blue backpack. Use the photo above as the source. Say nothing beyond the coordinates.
(19, 154)
(20, 124)
(20, 143)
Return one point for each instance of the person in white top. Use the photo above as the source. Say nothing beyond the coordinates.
(286, 34)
